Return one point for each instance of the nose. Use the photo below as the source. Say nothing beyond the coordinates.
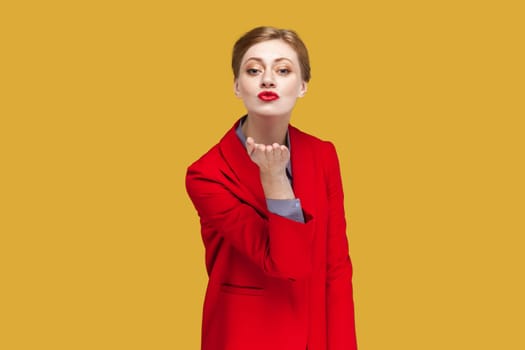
(267, 80)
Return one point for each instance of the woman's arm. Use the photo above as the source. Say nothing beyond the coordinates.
(272, 162)
(279, 246)
(339, 298)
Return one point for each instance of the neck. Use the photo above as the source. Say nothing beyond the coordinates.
(266, 130)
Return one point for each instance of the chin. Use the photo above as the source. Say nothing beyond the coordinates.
(269, 114)
(270, 111)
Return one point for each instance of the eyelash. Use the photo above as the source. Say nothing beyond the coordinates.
(281, 71)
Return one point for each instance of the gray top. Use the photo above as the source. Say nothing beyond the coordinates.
(288, 208)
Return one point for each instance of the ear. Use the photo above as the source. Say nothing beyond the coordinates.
(236, 90)
(303, 89)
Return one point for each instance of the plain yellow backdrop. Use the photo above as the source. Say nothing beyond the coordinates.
(104, 104)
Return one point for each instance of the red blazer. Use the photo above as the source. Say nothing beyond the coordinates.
(274, 284)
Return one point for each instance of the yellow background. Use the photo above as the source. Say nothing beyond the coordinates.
(104, 104)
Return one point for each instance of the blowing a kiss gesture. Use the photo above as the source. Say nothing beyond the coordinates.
(272, 160)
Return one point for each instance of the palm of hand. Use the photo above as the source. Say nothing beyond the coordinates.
(271, 159)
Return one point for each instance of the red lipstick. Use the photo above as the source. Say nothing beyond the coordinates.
(268, 96)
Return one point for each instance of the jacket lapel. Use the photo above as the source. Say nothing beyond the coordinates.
(243, 173)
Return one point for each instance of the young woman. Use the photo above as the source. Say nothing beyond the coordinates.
(270, 202)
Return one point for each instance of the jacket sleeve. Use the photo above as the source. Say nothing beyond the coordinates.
(339, 298)
(279, 246)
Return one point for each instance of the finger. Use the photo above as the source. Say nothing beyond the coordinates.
(250, 145)
(276, 150)
(269, 153)
(258, 149)
(285, 153)
(259, 155)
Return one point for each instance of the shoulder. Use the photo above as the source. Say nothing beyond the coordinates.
(205, 173)
(214, 157)
(209, 158)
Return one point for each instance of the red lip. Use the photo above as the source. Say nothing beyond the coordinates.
(268, 96)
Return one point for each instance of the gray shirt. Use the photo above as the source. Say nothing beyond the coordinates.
(288, 208)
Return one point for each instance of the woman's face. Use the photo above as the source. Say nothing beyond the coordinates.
(269, 80)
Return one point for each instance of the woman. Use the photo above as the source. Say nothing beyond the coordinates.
(270, 202)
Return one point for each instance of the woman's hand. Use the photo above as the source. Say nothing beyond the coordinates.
(272, 161)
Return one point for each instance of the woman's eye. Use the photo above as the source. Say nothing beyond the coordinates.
(283, 71)
(252, 71)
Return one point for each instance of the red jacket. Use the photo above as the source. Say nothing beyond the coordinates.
(274, 284)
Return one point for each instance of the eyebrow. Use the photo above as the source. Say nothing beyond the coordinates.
(276, 60)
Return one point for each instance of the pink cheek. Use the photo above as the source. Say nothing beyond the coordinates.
(289, 91)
